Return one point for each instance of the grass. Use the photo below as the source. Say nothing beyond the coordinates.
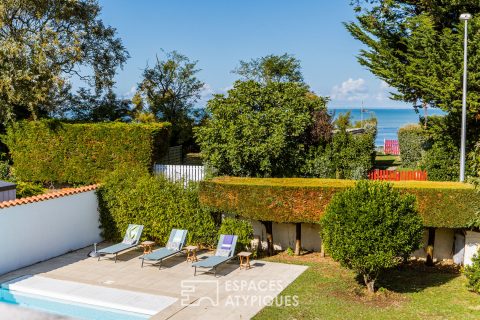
(386, 161)
(327, 291)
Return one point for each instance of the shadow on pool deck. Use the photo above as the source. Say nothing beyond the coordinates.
(233, 294)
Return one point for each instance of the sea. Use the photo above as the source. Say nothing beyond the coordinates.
(388, 120)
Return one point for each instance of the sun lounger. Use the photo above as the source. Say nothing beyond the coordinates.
(175, 243)
(130, 240)
(225, 252)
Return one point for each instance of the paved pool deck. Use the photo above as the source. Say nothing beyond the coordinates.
(232, 294)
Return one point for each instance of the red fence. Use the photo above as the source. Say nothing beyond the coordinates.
(391, 175)
(391, 147)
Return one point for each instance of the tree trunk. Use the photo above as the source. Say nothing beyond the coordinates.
(370, 283)
(322, 251)
(298, 238)
(268, 230)
(431, 241)
(425, 114)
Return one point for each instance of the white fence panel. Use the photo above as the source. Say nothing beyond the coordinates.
(181, 172)
(38, 231)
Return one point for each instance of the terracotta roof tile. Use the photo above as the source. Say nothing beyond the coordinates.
(47, 196)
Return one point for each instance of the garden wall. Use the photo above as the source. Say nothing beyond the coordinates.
(42, 227)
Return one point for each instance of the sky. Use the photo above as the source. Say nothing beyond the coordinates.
(220, 33)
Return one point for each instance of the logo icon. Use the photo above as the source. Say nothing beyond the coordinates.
(200, 293)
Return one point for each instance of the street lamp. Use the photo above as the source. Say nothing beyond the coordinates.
(464, 17)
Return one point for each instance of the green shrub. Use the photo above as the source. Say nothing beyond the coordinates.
(442, 162)
(29, 189)
(369, 227)
(4, 171)
(132, 195)
(353, 154)
(240, 227)
(291, 200)
(50, 151)
(472, 273)
(23, 189)
(411, 139)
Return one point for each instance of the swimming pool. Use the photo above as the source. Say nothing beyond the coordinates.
(65, 308)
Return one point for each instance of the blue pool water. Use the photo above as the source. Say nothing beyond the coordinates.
(65, 308)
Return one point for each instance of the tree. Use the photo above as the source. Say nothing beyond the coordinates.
(98, 107)
(169, 91)
(370, 227)
(271, 68)
(416, 47)
(45, 43)
(261, 130)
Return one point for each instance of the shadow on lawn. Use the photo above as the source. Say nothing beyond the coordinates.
(416, 276)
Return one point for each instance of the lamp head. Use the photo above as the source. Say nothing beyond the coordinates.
(465, 16)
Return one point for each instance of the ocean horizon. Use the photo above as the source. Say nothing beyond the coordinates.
(389, 120)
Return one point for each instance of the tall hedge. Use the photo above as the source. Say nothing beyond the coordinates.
(411, 139)
(51, 151)
(441, 204)
(132, 195)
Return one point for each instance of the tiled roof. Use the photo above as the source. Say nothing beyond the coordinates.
(47, 196)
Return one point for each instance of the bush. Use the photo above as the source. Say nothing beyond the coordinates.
(411, 139)
(348, 156)
(23, 189)
(442, 162)
(132, 195)
(369, 227)
(240, 227)
(50, 151)
(353, 154)
(29, 189)
(472, 273)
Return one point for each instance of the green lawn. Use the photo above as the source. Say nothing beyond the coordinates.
(385, 161)
(327, 291)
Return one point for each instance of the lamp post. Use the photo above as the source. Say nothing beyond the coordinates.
(464, 17)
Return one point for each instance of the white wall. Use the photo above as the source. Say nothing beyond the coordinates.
(284, 235)
(442, 248)
(42, 230)
(472, 243)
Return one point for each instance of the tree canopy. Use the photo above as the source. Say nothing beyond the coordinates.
(417, 48)
(169, 91)
(260, 130)
(43, 44)
(271, 68)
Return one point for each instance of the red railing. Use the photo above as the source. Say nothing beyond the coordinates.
(391, 147)
(392, 175)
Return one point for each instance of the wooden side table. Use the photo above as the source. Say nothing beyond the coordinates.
(244, 259)
(191, 253)
(147, 246)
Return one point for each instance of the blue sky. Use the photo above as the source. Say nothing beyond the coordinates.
(220, 33)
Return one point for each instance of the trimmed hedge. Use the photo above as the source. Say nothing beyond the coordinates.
(133, 195)
(441, 204)
(51, 151)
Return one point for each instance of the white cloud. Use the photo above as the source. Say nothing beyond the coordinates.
(130, 93)
(350, 90)
(207, 91)
(383, 91)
